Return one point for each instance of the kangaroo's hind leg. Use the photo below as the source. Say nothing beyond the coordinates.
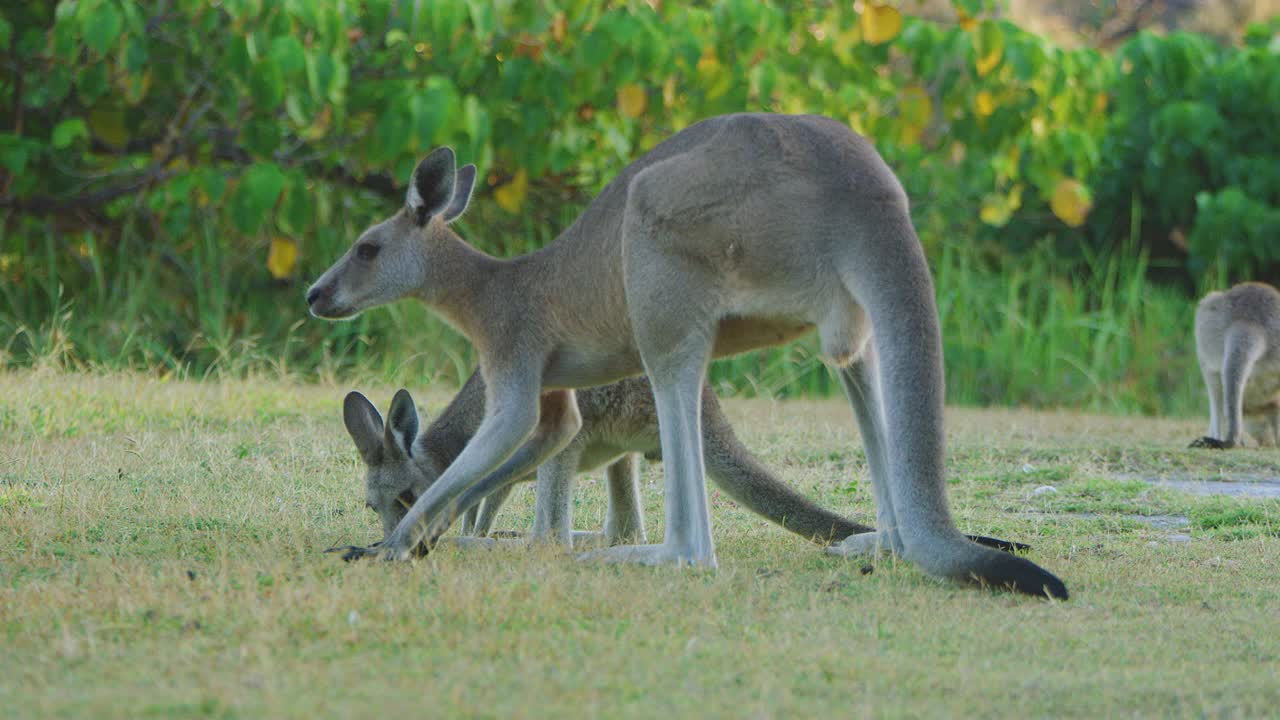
(484, 515)
(674, 302)
(624, 523)
(860, 387)
(553, 509)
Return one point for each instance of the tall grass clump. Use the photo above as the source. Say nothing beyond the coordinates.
(1042, 331)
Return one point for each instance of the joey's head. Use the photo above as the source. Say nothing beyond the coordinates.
(394, 259)
(397, 470)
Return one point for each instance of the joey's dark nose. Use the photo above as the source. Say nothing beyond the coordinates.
(313, 295)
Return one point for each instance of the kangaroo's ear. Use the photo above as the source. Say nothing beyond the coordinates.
(365, 426)
(465, 181)
(431, 187)
(402, 424)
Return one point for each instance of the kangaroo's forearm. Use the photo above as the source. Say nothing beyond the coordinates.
(498, 439)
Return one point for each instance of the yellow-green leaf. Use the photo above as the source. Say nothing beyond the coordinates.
(984, 104)
(632, 100)
(559, 27)
(282, 257)
(880, 23)
(1071, 202)
(510, 195)
(988, 46)
(997, 209)
(709, 63)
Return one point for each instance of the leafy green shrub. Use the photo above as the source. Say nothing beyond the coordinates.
(172, 175)
(1191, 157)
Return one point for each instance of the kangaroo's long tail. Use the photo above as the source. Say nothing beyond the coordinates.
(884, 268)
(736, 471)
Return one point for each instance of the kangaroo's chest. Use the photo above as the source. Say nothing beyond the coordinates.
(617, 419)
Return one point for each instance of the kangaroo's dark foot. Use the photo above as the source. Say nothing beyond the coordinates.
(1211, 443)
(1008, 546)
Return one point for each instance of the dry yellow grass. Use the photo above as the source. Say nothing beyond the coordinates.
(160, 556)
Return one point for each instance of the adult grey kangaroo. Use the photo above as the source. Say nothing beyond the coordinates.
(1238, 346)
(736, 233)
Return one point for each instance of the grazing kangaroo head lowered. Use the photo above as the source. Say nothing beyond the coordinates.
(396, 472)
(393, 259)
(739, 232)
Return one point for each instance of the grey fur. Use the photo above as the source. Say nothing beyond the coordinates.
(736, 233)
(1238, 345)
(619, 422)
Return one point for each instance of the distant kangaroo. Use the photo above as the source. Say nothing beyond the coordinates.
(736, 233)
(618, 421)
(1238, 345)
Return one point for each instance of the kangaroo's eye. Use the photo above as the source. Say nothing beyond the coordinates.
(367, 251)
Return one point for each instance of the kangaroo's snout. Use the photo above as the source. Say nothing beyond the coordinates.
(323, 304)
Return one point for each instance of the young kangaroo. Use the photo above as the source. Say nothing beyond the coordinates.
(736, 233)
(619, 421)
(1238, 345)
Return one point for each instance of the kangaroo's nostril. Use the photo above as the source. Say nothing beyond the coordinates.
(312, 295)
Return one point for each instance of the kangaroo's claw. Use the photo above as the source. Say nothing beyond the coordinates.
(1211, 443)
(1009, 546)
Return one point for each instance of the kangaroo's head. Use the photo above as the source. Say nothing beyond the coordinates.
(394, 259)
(397, 470)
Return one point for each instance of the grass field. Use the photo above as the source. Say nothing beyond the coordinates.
(160, 557)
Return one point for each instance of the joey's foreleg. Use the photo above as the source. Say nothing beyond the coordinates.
(624, 522)
(469, 521)
(488, 510)
(553, 502)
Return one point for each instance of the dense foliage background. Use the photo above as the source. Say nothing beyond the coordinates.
(173, 173)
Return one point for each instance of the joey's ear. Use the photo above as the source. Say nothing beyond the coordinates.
(365, 426)
(402, 424)
(431, 187)
(465, 181)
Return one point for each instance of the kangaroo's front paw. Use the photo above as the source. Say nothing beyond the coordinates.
(652, 555)
(355, 552)
(1211, 443)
